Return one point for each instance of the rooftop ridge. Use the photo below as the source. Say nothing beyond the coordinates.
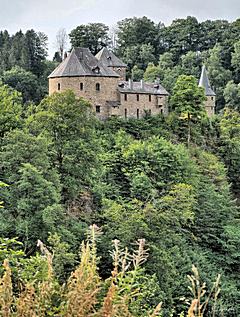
(81, 62)
(108, 58)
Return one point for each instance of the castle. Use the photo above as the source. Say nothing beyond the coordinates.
(101, 79)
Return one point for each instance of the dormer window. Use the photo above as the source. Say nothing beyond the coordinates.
(96, 70)
(97, 86)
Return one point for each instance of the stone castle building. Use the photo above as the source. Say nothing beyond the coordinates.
(101, 79)
(209, 93)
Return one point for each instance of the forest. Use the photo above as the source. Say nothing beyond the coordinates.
(136, 217)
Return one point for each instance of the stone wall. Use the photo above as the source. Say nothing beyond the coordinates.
(98, 98)
(210, 105)
(121, 71)
(137, 105)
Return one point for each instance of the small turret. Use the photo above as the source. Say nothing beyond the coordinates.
(209, 93)
(112, 61)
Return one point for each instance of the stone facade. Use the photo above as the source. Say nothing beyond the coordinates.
(107, 100)
(210, 105)
(121, 71)
(133, 105)
(210, 101)
(97, 90)
(101, 81)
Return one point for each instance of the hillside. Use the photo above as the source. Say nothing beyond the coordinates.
(170, 182)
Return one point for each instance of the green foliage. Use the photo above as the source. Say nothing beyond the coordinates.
(137, 73)
(218, 75)
(24, 82)
(152, 72)
(10, 109)
(232, 95)
(93, 36)
(63, 258)
(188, 102)
(230, 145)
(236, 61)
(69, 123)
(134, 178)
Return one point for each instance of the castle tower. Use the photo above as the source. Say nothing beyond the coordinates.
(108, 59)
(83, 73)
(209, 93)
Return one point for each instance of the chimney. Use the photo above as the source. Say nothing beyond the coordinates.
(130, 84)
(142, 84)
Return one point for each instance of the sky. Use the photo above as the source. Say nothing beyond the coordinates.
(49, 16)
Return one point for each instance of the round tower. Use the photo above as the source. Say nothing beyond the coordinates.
(210, 102)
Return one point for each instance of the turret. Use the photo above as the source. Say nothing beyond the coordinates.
(108, 59)
(209, 93)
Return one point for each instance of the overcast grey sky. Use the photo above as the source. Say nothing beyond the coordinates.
(50, 15)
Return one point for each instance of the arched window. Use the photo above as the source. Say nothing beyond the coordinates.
(81, 86)
(125, 113)
(137, 113)
(125, 97)
(97, 86)
(137, 97)
(59, 86)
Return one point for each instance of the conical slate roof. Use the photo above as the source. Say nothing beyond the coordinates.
(81, 62)
(109, 59)
(204, 82)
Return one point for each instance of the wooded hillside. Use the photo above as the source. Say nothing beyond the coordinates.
(173, 181)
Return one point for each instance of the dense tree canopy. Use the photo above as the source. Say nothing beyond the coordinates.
(93, 36)
(173, 181)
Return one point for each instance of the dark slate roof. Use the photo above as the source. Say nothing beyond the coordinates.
(81, 62)
(109, 59)
(140, 87)
(113, 103)
(204, 82)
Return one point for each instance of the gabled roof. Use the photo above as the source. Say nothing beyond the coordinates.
(204, 82)
(81, 62)
(109, 59)
(140, 87)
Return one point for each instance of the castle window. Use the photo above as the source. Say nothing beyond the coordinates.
(97, 86)
(98, 109)
(212, 98)
(125, 113)
(137, 97)
(149, 98)
(81, 86)
(59, 86)
(137, 113)
(125, 97)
